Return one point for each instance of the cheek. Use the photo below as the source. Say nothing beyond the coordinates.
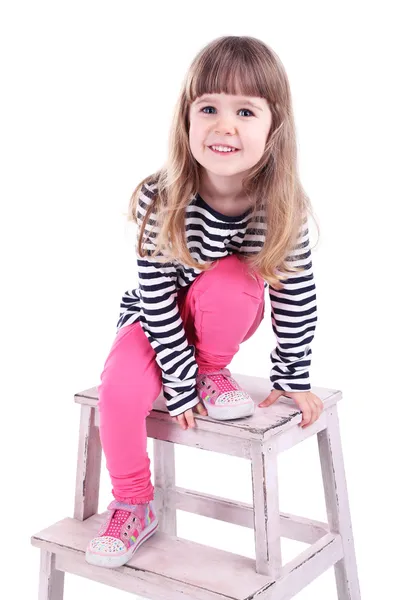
(256, 141)
(196, 136)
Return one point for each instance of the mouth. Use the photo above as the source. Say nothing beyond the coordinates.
(224, 152)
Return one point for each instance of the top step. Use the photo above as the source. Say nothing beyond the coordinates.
(264, 423)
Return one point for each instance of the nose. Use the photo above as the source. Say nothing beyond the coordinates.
(224, 125)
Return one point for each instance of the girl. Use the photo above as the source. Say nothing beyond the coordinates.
(223, 219)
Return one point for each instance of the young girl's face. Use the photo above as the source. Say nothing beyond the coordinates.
(218, 119)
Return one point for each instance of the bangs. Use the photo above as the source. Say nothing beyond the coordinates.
(229, 69)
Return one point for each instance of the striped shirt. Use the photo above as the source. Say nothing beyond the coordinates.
(211, 236)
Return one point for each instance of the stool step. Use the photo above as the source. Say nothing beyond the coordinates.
(165, 566)
(171, 568)
(283, 415)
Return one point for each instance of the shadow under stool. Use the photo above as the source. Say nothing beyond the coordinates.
(168, 567)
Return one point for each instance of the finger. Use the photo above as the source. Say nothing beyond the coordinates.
(190, 419)
(318, 406)
(314, 412)
(182, 420)
(273, 396)
(306, 410)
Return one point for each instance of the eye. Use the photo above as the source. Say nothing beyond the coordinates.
(205, 107)
(247, 110)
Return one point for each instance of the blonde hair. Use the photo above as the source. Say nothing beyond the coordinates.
(232, 65)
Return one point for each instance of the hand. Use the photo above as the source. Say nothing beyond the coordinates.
(187, 418)
(310, 405)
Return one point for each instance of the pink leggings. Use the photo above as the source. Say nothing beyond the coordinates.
(221, 309)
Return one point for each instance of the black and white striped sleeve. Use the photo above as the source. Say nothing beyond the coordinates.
(162, 324)
(294, 317)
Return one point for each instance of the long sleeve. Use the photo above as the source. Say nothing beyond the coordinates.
(162, 324)
(294, 317)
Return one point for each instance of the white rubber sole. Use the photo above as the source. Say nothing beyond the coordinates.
(111, 562)
(226, 413)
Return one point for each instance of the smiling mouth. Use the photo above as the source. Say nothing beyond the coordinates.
(234, 151)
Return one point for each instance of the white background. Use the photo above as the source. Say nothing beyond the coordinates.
(88, 90)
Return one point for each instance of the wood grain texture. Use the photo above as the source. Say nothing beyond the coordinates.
(172, 568)
(267, 531)
(292, 527)
(88, 465)
(167, 564)
(51, 580)
(164, 483)
(264, 423)
(337, 505)
(167, 567)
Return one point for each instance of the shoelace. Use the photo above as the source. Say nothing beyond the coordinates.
(117, 520)
(221, 378)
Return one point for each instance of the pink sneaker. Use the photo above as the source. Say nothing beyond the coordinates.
(125, 528)
(223, 397)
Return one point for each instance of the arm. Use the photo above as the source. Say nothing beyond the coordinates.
(163, 327)
(294, 317)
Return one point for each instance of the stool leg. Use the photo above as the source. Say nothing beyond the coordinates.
(51, 581)
(264, 472)
(337, 505)
(164, 481)
(88, 466)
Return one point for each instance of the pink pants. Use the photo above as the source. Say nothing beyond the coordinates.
(221, 309)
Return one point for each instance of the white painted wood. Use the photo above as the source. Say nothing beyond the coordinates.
(337, 505)
(165, 567)
(171, 568)
(267, 533)
(51, 580)
(130, 580)
(264, 424)
(292, 527)
(88, 465)
(164, 484)
(161, 427)
(306, 567)
(291, 437)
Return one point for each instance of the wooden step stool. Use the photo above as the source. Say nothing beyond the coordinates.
(167, 567)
